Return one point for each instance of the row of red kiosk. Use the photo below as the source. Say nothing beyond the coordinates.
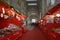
(50, 23)
(10, 23)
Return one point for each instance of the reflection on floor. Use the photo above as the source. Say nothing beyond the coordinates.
(34, 34)
(30, 27)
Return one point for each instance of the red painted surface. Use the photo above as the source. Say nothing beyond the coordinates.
(13, 36)
(35, 34)
(47, 27)
(5, 22)
(52, 25)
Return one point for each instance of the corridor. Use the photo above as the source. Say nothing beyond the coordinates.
(29, 19)
(34, 34)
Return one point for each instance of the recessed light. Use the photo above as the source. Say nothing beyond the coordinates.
(31, 0)
(32, 3)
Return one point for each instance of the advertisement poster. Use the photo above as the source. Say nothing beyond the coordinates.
(49, 19)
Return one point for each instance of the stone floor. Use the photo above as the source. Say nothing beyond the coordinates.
(34, 34)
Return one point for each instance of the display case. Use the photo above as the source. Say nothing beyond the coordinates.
(10, 23)
(50, 23)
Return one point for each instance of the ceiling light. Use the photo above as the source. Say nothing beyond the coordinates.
(58, 15)
(31, 0)
(3, 10)
(32, 3)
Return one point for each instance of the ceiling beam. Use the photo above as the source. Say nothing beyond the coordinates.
(31, 1)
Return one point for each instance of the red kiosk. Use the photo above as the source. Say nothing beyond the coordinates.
(50, 23)
(10, 23)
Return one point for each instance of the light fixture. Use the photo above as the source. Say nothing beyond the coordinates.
(6, 16)
(41, 20)
(32, 3)
(3, 10)
(58, 15)
(31, 0)
(1, 15)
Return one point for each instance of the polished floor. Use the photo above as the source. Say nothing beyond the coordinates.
(34, 34)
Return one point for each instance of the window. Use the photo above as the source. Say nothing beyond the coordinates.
(33, 20)
(52, 2)
(48, 2)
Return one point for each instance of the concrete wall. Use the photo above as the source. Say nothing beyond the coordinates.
(32, 13)
(19, 5)
(44, 6)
